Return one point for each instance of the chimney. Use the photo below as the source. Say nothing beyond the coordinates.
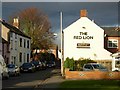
(16, 22)
(83, 13)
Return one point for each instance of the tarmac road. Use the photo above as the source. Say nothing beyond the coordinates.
(27, 80)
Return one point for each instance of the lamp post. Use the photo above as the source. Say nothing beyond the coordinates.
(62, 61)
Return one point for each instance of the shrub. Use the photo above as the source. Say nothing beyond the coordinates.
(79, 63)
(69, 63)
(76, 64)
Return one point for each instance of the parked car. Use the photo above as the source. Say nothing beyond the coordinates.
(94, 66)
(27, 67)
(44, 65)
(3, 69)
(38, 64)
(51, 64)
(4, 73)
(13, 70)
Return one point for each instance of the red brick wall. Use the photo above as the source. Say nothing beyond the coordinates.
(91, 75)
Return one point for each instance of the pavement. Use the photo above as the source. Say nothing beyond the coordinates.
(53, 81)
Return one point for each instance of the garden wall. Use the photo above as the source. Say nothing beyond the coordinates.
(91, 75)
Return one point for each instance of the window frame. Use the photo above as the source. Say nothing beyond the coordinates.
(20, 42)
(20, 57)
(24, 43)
(113, 42)
(28, 44)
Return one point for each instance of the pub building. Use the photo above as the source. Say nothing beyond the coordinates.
(85, 39)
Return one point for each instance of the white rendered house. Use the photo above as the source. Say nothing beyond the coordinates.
(19, 44)
(85, 39)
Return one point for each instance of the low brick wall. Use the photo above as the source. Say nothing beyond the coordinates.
(91, 75)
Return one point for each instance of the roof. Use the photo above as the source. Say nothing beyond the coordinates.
(112, 31)
(14, 29)
(116, 54)
(83, 23)
(4, 41)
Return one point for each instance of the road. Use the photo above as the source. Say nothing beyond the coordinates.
(27, 80)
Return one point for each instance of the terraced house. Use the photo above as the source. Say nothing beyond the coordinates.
(19, 43)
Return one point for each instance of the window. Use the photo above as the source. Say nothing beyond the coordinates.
(20, 42)
(24, 58)
(20, 57)
(11, 34)
(11, 44)
(88, 67)
(24, 43)
(27, 57)
(112, 43)
(15, 45)
(15, 36)
(27, 43)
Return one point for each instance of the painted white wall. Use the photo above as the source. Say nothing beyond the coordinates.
(23, 50)
(96, 50)
(16, 49)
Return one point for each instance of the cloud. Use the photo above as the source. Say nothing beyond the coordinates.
(104, 13)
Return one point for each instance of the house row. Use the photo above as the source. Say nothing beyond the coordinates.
(15, 45)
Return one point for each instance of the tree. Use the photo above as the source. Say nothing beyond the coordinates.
(35, 24)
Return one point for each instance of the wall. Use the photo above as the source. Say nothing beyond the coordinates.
(23, 50)
(91, 75)
(96, 50)
(6, 52)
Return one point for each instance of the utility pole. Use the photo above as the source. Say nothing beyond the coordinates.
(62, 61)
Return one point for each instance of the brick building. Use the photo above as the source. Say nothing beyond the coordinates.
(112, 39)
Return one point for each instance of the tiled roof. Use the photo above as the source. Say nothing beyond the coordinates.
(112, 31)
(14, 29)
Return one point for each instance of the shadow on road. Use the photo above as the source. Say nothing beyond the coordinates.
(27, 79)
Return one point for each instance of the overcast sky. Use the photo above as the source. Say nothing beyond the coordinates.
(104, 13)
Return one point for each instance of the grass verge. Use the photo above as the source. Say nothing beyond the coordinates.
(91, 84)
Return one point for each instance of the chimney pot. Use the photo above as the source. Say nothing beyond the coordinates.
(16, 22)
(83, 13)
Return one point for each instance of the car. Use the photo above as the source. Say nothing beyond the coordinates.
(94, 66)
(13, 70)
(44, 65)
(4, 73)
(27, 67)
(38, 64)
(3, 68)
(51, 64)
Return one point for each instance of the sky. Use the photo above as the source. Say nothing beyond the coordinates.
(60, 1)
(103, 13)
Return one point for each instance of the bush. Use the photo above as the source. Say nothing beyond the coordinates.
(79, 63)
(76, 65)
(69, 63)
